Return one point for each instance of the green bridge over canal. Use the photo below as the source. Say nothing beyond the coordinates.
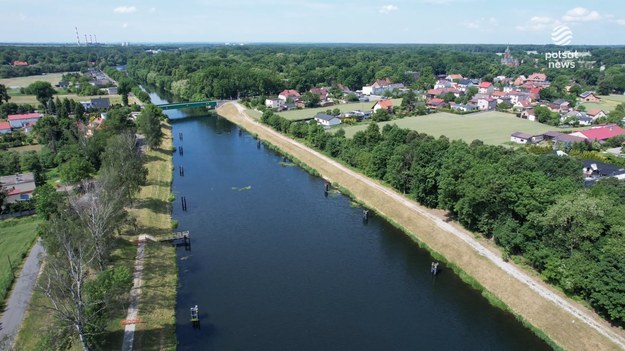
(178, 105)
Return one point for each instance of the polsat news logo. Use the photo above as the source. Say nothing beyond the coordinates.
(561, 35)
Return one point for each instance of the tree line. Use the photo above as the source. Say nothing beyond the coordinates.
(530, 201)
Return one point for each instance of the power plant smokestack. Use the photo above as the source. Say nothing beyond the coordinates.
(77, 37)
(95, 39)
(86, 41)
(90, 39)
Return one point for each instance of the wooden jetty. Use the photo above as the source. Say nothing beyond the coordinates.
(179, 239)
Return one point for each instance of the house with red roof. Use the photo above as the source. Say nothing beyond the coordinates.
(486, 88)
(5, 127)
(321, 92)
(595, 114)
(20, 63)
(21, 120)
(436, 103)
(18, 187)
(384, 104)
(537, 78)
(289, 94)
(600, 133)
(453, 77)
(432, 93)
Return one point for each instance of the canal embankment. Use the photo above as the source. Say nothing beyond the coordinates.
(567, 323)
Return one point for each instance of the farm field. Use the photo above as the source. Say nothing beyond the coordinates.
(491, 127)
(608, 103)
(16, 237)
(31, 99)
(22, 82)
(297, 115)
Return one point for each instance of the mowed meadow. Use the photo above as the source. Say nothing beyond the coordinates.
(492, 128)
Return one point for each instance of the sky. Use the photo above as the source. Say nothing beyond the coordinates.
(597, 22)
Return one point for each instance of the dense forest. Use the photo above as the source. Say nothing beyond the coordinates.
(231, 72)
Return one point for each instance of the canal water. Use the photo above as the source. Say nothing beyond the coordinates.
(277, 265)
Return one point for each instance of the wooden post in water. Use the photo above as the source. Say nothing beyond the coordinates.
(365, 215)
(240, 131)
(434, 268)
(258, 144)
(180, 135)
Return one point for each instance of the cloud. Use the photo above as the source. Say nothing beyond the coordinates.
(152, 9)
(536, 23)
(125, 9)
(620, 22)
(388, 9)
(125, 25)
(581, 14)
(485, 24)
(444, 2)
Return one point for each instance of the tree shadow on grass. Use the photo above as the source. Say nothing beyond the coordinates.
(154, 205)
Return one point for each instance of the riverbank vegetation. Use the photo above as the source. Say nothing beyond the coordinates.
(532, 204)
(16, 238)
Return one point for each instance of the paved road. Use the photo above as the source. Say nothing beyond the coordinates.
(20, 296)
(472, 242)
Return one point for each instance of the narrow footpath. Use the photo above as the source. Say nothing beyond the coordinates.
(20, 297)
(568, 323)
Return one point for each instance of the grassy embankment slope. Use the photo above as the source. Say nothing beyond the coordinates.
(16, 238)
(158, 298)
(560, 326)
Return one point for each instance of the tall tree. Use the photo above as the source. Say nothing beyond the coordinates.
(42, 90)
(4, 94)
(122, 165)
(149, 123)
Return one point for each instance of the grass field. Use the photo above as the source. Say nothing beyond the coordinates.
(16, 237)
(36, 148)
(490, 127)
(22, 82)
(298, 115)
(31, 99)
(607, 104)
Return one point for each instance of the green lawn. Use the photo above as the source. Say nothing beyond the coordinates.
(16, 238)
(298, 115)
(607, 104)
(490, 127)
(52, 78)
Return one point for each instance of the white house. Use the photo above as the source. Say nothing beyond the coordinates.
(19, 121)
(529, 115)
(595, 114)
(486, 88)
(273, 103)
(289, 94)
(521, 138)
(327, 120)
(485, 104)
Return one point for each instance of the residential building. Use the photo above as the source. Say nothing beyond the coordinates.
(101, 103)
(595, 114)
(18, 187)
(521, 138)
(289, 94)
(327, 120)
(529, 115)
(21, 120)
(383, 104)
(589, 96)
(5, 127)
(486, 104)
(274, 103)
(600, 133)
